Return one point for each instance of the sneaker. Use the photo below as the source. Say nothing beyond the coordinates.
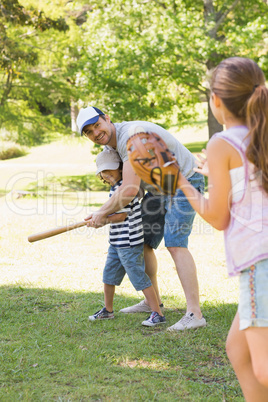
(154, 319)
(101, 315)
(141, 307)
(188, 321)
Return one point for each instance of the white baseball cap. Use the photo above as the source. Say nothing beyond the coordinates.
(108, 159)
(88, 115)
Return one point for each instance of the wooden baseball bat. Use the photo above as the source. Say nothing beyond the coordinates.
(55, 231)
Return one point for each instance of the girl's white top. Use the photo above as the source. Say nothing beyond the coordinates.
(246, 237)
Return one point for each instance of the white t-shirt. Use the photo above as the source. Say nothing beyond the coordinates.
(184, 157)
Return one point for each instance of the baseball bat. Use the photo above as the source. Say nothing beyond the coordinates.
(55, 231)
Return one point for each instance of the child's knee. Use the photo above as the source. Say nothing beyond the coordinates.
(230, 348)
(237, 354)
(260, 370)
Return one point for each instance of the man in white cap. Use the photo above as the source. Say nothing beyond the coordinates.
(162, 215)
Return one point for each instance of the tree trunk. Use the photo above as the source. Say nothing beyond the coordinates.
(74, 113)
(213, 125)
(213, 20)
(7, 87)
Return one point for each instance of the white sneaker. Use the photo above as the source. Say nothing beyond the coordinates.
(141, 307)
(188, 321)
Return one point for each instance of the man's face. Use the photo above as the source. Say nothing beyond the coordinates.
(100, 132)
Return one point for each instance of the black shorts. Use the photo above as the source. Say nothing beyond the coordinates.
(153, 219)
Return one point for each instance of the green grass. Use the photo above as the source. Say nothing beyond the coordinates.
(69, 183)
(9, 150)
(70, 189)
(196, 147)
(49, 351)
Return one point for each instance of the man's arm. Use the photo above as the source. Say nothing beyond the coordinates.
(114, 218)
(121, 197)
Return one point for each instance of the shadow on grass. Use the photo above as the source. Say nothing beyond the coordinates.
(50, 351)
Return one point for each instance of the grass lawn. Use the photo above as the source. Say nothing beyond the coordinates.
(49, 349)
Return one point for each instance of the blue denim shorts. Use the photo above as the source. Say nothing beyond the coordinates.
(253, 299)
(171, 217)
(126, 260)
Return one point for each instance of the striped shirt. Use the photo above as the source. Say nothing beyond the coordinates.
(128, 233)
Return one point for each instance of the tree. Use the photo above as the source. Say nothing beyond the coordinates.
(222, 21)
(148, 59)
(24, 93)
(135, 59)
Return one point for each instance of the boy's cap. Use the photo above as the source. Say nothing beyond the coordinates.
(108, 159)
(88, 115)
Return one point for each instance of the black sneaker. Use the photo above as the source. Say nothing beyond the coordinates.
(101, 315)
(154, 319)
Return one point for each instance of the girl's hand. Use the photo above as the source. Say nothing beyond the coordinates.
(202, 165)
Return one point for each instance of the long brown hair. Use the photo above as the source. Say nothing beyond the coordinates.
(240, 83)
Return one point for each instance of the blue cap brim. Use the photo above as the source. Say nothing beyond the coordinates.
(90, 121)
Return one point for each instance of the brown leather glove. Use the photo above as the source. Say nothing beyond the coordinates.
(152, 161)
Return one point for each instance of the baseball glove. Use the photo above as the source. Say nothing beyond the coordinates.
(152, 161)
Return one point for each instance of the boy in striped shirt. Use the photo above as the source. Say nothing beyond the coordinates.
(125, 254)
